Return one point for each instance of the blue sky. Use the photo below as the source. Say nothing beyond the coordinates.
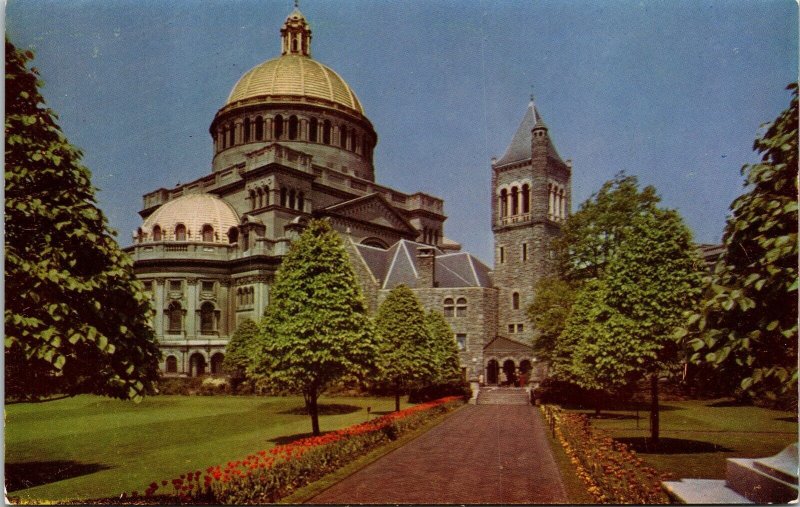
(672, 91)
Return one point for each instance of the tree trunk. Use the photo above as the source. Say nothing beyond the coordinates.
(313, 410)
(397, 401)
(654, 409)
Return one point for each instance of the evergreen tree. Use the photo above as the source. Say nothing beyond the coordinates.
(315, 330)
(747, 324)
(239, 352)
(443, 348)
(76, 319)
(405, 358)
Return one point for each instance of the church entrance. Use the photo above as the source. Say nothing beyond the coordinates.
(510, 373)
(491, 372)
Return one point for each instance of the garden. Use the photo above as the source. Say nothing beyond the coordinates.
(90, 447)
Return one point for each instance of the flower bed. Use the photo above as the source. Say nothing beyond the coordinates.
(612, 472)
(269, 475)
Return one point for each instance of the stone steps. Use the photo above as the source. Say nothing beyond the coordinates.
(503, 396)
(763, 480)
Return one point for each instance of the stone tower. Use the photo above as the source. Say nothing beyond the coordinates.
(531, 189)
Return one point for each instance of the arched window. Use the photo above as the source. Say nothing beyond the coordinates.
(208, 234)
(291, 198)
(353, 140)
(294, 45)
(139, 235)
(156, 233)
(514, 201)
(259, 198)
(365, 147)
(515, 301)
(247, 130)
(301, 201)
(233, 235)
(207, 318)
(293, 127)
(224, 137)
(283, 197)
(175, 316)
(232, 135)
(197, 365)
(259, 128)
(461, 307)
(526, 199)
(277, 124)
(343, 136)
(503, 203)
(221, 139)
(313, 126)
(216, 363)
(326, 132)
(180, 232)
(449, 307)
(266, 195)
(253, 199)
(172, 364)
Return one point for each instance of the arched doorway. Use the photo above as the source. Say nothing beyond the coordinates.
(510, 371)
(491, 371)
(172, 364)
(197, 365)
(525, 372)
(216, 363)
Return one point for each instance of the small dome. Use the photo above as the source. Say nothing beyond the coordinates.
(204, 217)
(295, 76)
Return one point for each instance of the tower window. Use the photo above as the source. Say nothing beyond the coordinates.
(353, 140)
(519, 328)
(524, 252)
(449, 307)
(233, 235)
(526, 199)
(180, 232)
(208, 233)
(313, 125)
(278, 126)
(301, 201)
(502, 255)
(247, 130)
(514, 201)
(326, 132)
(461, 307)
(284, 195)
(293, 127)
(511, 328)
(515, 301)
(291, 199)
(461, 341)
(343, 136)
(156, 233)
(503, 203)
(231, 135)
(259, 128)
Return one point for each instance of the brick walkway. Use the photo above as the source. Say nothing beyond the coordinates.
(481, 454)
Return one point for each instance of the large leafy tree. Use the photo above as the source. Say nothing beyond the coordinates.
(622, 324)
(315, 330)
(747, 324)
(239, 351)
(76, 319)
(591, 236)
(552, 301)
(404, 341)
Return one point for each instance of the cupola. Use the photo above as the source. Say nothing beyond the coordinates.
(296, 35)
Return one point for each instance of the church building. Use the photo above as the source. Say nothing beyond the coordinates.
(291, 143)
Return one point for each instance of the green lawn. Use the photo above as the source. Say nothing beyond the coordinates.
(697, 436)
(91, 447)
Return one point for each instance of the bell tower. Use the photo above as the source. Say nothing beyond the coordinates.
(531, 189)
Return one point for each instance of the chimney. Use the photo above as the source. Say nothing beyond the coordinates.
(426, 267)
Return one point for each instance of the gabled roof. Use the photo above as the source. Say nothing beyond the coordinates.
(398, 265)
(373, 209)
(520, 147)
(502, 344)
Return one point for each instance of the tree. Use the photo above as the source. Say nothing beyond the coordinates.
(316, 329)
(405, 358)
(239, 352)
(77, 321)
(443, 348)
(591, 236)
(622, 324)
(552, 302)
(747, 324)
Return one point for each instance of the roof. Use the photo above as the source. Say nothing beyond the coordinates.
(520, 147)
(502, 344)
(193, 211)
(398, 265)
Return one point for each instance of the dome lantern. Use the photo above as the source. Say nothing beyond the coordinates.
(296, 35)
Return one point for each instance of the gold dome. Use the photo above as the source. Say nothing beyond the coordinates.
(294, 75)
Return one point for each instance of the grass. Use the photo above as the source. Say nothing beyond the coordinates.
(92, 447)
(697, 436)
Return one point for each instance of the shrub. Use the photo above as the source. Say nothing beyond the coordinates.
(269, 475)
(436, 391)
(612, 472)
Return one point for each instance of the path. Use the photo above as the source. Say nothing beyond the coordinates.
(481, 454)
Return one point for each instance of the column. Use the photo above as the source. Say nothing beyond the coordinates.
(191, 308)
(158, 301)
